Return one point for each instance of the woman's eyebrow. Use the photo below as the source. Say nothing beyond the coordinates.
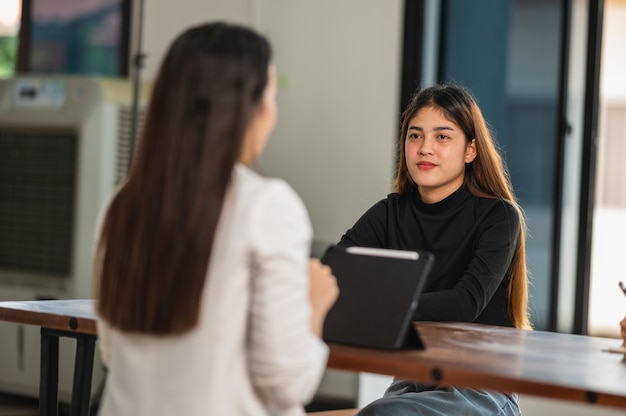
(438, 128)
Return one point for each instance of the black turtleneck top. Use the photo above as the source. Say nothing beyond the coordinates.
(473, 240)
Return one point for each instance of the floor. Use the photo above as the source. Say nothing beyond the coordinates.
(17, 406)
(12, 405)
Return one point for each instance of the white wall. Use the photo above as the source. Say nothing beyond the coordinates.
(166, 19)
(339, 67)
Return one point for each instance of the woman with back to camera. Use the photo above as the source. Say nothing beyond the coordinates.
(207, 301)
(453, 198)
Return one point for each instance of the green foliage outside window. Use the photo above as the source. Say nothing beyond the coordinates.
(8, 55)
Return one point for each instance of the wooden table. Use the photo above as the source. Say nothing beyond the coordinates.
(548, 364)
(553, 365)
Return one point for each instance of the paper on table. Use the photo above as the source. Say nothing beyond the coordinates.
(621, 349)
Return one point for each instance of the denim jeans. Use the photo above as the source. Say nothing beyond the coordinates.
(407, 398)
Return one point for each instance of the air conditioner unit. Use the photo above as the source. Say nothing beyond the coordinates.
(64, 145)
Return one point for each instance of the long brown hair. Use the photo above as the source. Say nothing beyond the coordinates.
(154, 248)
(487, 176)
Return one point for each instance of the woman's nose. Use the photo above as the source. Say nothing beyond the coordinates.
(427, 147)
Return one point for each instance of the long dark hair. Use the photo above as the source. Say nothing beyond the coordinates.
(157, 236)
(486, 177)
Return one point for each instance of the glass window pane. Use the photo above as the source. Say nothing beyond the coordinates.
(508, 53)
(608, 263)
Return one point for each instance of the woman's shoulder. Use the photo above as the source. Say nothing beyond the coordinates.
(268, 208)
(397, 199)
(496, 203)
(258, 190)
(498, 208)
(251, 180)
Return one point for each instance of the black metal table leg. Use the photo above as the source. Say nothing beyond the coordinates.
(83, 370)
(48, 385)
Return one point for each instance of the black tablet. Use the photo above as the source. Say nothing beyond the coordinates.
(378, 293)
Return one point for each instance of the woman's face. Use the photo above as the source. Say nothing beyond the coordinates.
(262, 122)
(436, 152)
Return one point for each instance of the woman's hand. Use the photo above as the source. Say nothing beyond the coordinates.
(323, 292)
(622, 324)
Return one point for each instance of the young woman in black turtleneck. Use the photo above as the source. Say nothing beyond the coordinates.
(453, 198)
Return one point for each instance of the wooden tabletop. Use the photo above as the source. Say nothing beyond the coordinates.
(548, 364)
(560, 366)
(76, 315)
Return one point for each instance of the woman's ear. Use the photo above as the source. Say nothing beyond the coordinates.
(470, 151)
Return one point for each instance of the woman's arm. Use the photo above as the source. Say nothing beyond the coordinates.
(370, 230)
(286, 358)
(490, 259)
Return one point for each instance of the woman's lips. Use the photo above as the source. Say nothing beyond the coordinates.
(426, 165)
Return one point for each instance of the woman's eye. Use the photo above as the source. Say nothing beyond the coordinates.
(413, 136)
(442, 137)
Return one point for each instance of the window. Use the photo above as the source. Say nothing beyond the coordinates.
(10, 12)
(509, 55)
(608, 263)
